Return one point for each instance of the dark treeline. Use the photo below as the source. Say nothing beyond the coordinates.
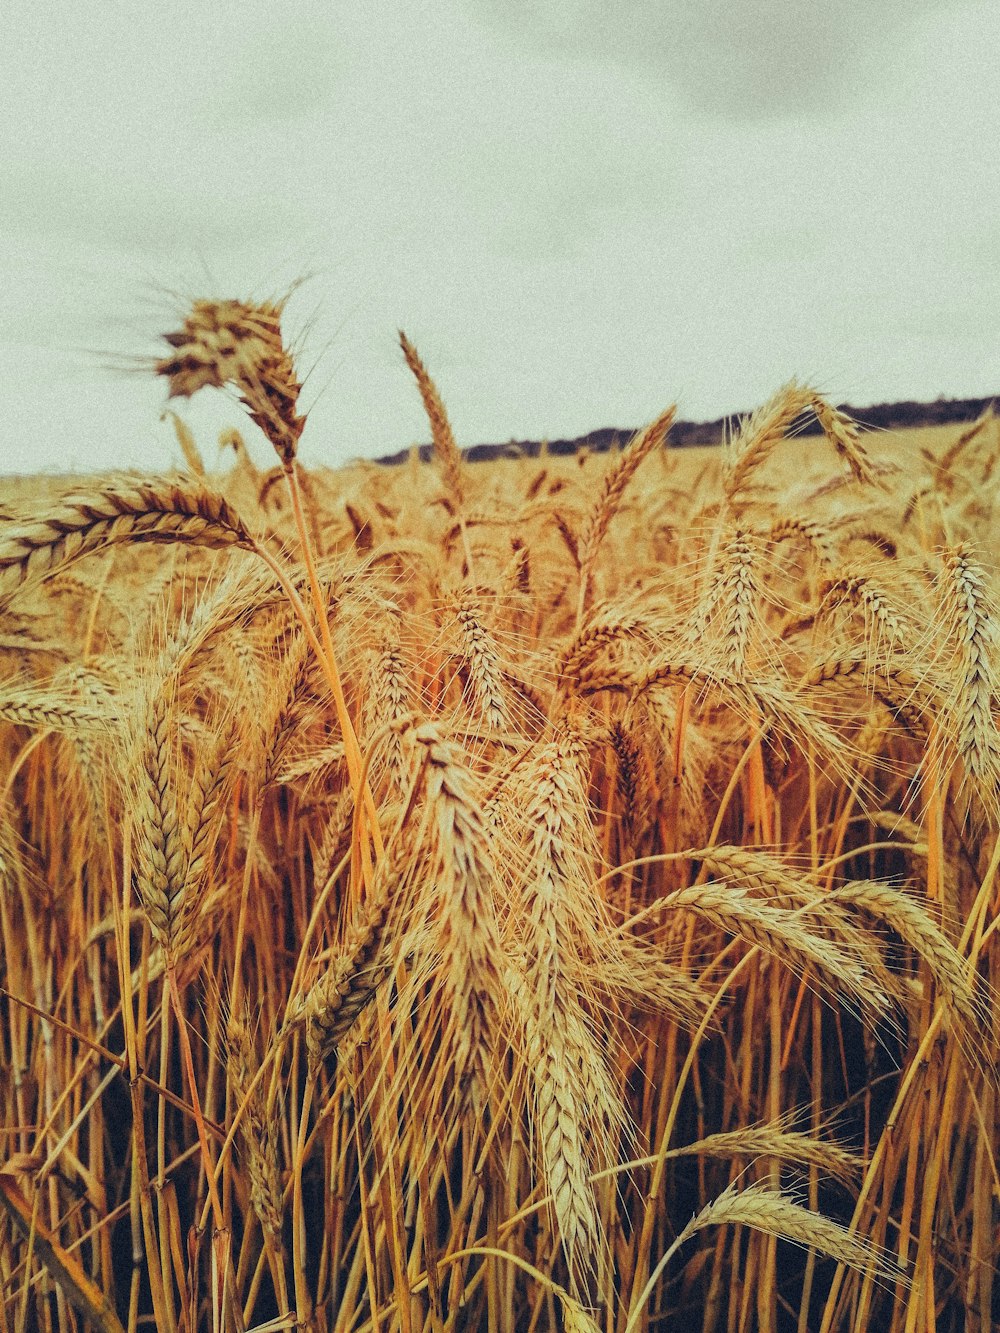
(881, 416)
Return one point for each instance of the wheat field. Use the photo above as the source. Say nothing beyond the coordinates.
(556, 893)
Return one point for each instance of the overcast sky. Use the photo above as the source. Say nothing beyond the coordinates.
(578, 210)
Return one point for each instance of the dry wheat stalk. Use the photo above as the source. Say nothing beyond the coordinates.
(732, 600)
(313, 766)
(390, 702)
(601, 630)
(50, 707)
(903, 691)
(10, 857)
(785, 935)
(640, 975)
(816, 535)
(160, 870)
(554, 1052)
(209, 789)
(174, 852)
(631, 781)
(575, 1317)
(636, 681)
(769, 879)
(494, 923)
(757, 872)
(284, 703)
(336, 832)
(883, 623)
(751, 698)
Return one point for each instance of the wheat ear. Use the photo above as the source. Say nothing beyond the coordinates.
(446, 451)
(732, 601)
(129, 512)
(616, 481)
(469, 932)
(760, 433)
(238, 343)
(784, 935)
(336, 1000)
(776, 1214)
(51, 708)
(843, 433)
(259, 1129)
(486, 681)
(190, 450)
(559, 1047)
(776, 1141)
(905, 915)
(160, 863)
(971, 623)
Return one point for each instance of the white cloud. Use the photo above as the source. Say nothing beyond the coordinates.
(747, 60)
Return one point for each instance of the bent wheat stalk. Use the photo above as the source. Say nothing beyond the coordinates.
(126, 512)
(775, 1214)
(235, 342)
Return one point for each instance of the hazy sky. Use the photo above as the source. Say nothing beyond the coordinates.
(579, 210)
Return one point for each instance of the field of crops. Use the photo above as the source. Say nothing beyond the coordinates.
(545, 894)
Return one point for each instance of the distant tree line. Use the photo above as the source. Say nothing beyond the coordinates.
(882, 416)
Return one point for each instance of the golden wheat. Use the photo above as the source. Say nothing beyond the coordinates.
(424, 889)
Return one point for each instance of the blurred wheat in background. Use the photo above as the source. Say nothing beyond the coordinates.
(550, 893)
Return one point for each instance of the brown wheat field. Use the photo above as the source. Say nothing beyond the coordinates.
(546, 894)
